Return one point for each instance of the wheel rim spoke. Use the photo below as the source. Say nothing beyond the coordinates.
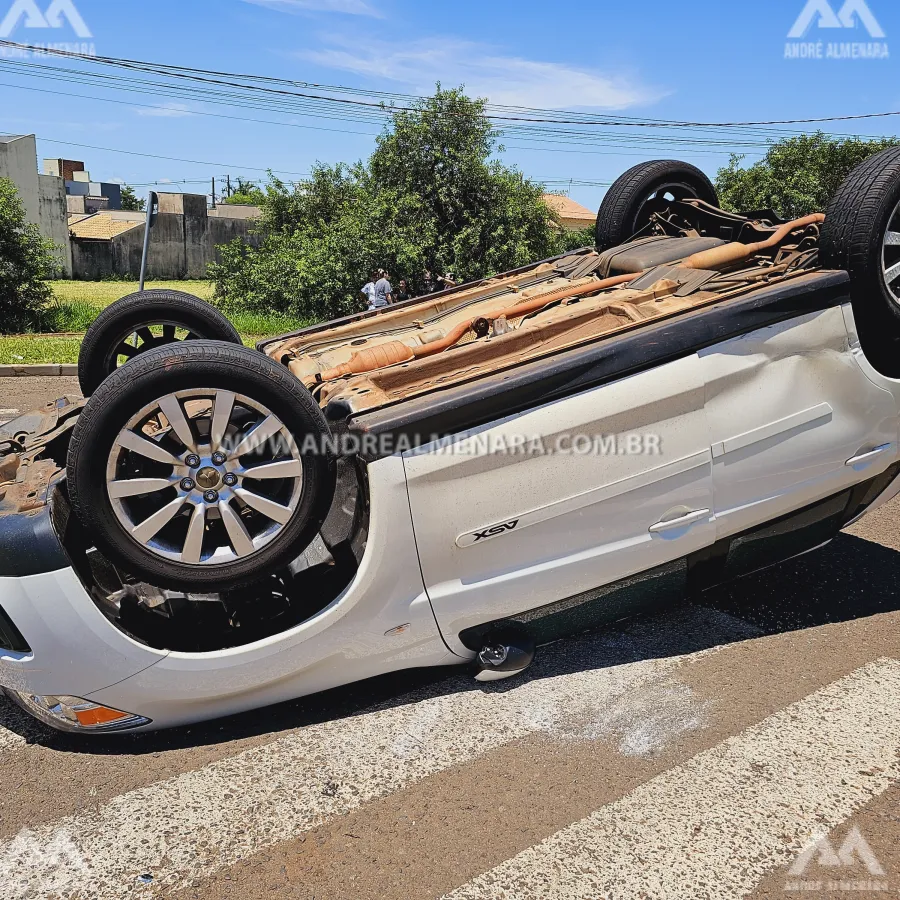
(150, 527)
(240, 538)
(892, 239)
(275, 511)
(145, 334)
(193, 543)
(187, 529)
(177, 419)
(143, 447)
(169, 332)
(288, 468)
(128, 350)
(892, 274)
(223, 404)
(256, 438)
(119, 490)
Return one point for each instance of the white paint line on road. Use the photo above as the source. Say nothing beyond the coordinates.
(9, 740)
(192, 825)
(713, 827)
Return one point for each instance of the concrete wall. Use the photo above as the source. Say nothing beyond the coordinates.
(235, 211)
(43, 196)
(18, 163)
(53, 218)
(183, 243)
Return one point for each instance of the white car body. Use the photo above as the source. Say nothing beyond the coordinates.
(731, 438)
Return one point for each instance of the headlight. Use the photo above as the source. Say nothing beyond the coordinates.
(75, 714)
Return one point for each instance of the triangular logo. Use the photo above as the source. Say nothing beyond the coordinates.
(815, 11)
(57, 11)
(34, 18)
(854, 849)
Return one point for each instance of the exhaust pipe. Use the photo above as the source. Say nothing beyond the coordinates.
(395, 352)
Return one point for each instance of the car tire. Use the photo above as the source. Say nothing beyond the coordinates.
(146, 309)
(96, 459)
(861, 216)
(632, 198)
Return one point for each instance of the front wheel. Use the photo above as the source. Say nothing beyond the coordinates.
(201, 467)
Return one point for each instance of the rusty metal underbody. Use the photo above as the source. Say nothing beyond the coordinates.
(322, 360)
(27, 469)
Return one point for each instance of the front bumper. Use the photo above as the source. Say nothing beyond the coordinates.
(382, 622)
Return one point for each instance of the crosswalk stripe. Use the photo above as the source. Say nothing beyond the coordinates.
(714, 826)
(193, 824)
(9, 740)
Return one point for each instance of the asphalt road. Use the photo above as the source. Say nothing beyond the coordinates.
(691, 754)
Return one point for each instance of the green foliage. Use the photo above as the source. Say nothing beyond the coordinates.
(131, 201)
(27, 260)
(575, 240)
(429, 199)
(798, 175)
(245, 193)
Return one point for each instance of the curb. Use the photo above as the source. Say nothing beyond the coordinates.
(35, 371)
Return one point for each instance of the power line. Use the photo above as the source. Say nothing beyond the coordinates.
(661, 145)
(219, 78)
(198, 162)
(23, 87)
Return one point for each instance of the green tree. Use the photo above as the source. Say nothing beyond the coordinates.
(798, 175)
(27, 260)
(131, 201)
(245, 193)
(430, 198)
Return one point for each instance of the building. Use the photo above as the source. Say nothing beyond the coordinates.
(97, 239)
(43, 196)
(183, 242)
(572, 215)
(84, 195)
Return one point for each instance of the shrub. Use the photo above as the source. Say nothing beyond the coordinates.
(27, 260)
(798, 175)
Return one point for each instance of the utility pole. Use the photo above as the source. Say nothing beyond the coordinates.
(228, 181)
(214, 192)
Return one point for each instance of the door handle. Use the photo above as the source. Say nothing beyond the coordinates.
(690, 518)
(868, 456)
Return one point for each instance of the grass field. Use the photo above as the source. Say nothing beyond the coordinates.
(77, 303)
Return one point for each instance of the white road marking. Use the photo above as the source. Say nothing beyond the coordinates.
(713, 827)
(192, 825)
(9, 740)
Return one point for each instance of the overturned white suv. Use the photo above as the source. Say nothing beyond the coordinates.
(458, 478)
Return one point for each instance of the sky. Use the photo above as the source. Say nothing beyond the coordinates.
(702, 61)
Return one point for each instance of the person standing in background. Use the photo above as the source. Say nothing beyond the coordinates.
(368, 290)
(384, 293)
(404, 292)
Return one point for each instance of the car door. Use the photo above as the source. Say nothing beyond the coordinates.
(793, 419)
(550, 503)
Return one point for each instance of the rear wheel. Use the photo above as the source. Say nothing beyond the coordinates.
(643, 190)
(144, 321)
(194, 469)
(861, 235)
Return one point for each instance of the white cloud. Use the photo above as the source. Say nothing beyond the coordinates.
(349, 7)
(509, 80)
(167, 111)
